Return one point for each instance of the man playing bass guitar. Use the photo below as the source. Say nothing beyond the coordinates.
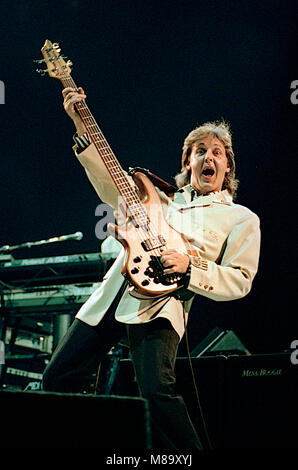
(222, 241)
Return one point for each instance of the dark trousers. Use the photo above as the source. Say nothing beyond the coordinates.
(153, 349)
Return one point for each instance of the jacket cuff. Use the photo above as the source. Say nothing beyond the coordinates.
(82, 142)
(199, 279)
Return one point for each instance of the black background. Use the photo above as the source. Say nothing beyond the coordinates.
(152, 72)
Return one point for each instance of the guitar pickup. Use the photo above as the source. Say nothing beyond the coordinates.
(153, 243)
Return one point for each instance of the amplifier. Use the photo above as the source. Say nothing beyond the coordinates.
(248, 402)
(261, 410)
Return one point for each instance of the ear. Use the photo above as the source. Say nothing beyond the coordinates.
(187, 165)
(228, 169)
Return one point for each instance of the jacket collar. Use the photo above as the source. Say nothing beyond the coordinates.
(188, 195)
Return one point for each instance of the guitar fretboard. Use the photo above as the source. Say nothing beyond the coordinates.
(125, 189)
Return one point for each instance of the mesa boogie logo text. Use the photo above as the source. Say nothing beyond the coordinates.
(261, 372)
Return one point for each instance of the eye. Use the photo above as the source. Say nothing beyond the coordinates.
(201, 151)
(217, 152)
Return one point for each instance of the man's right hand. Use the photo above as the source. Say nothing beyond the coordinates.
(71, 97)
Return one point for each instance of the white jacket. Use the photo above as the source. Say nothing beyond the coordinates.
(225, 235)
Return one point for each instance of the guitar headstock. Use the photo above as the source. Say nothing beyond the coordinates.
(56, 65)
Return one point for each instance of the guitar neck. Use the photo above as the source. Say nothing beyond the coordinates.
(104, 150)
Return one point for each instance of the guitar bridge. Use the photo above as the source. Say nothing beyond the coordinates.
(153, 243)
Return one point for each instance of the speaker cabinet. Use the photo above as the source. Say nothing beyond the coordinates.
(248, 402)
(74, 421)
(261, 409)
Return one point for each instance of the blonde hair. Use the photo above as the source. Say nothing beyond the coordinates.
(222, 131)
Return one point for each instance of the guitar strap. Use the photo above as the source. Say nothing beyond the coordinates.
(156, 180)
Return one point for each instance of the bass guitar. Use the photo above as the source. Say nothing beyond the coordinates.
(145, 233)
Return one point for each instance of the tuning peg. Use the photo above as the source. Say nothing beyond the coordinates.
(69, 63)
(56, 47)
(40, 61)
(42, 72)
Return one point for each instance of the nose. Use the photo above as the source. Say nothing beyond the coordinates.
(208, 155)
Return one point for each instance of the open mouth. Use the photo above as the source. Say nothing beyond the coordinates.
(208, 172)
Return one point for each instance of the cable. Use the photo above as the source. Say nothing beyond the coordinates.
(97, 379)
(194, 382)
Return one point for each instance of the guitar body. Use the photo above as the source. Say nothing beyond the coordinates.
(144, 244)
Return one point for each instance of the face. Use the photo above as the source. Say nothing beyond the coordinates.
(208, 165)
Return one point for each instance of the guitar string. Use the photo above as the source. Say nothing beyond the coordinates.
(132, 197)
(66, 79)
(156, 251)
(119, 180)
(137, 211)
(150, 225)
